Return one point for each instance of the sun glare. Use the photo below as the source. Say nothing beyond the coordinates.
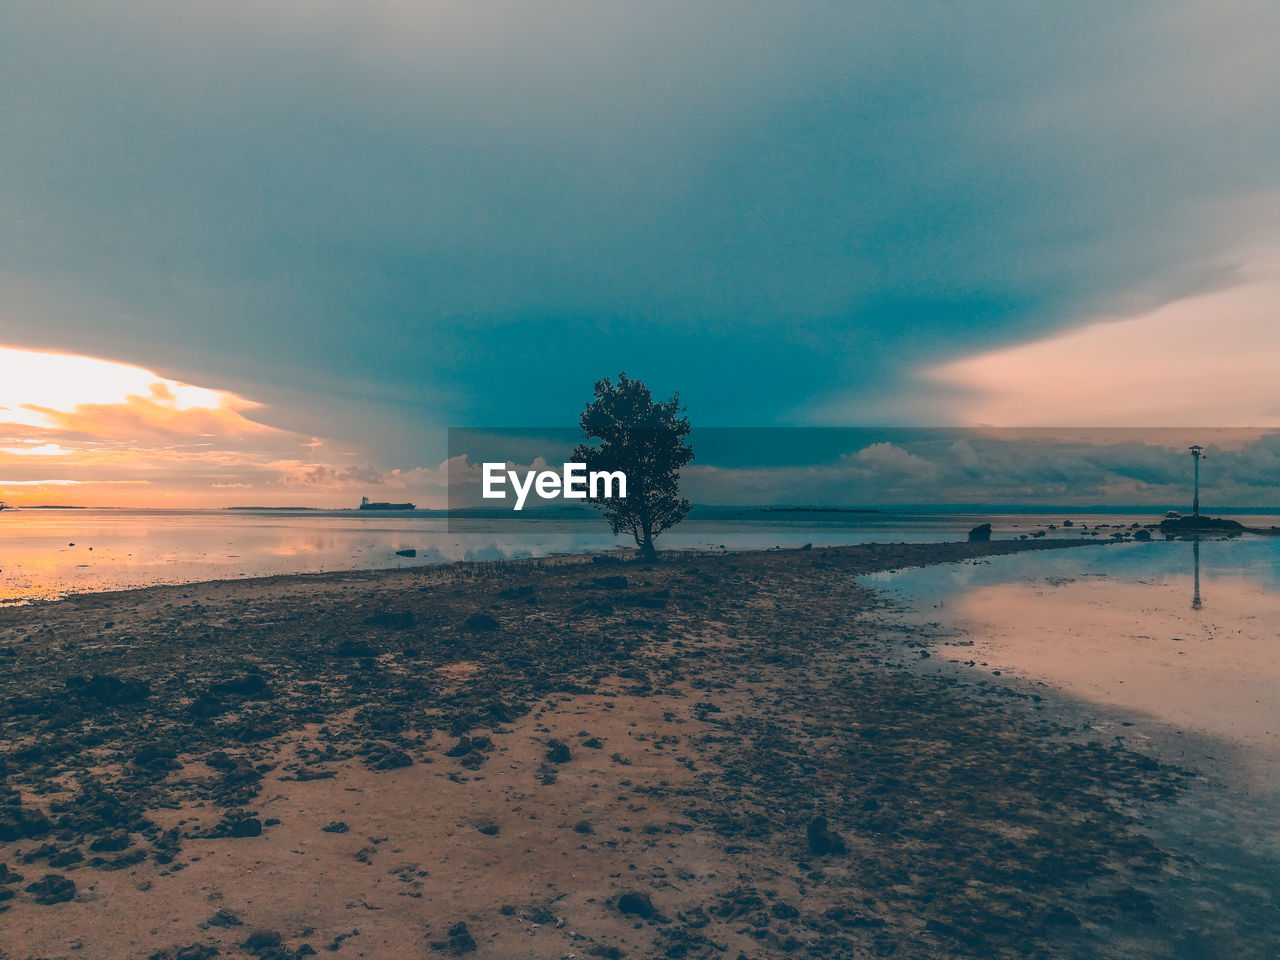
(33, 382)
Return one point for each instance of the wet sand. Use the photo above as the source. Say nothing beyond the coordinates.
(716, 756)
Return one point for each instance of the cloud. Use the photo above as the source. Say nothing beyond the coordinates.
(922, 467)
(887, 460)
(121, 435)
(1206, 360)
(387, 222)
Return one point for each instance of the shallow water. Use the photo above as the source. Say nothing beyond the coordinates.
(1187, 633)
(1172, 649)
(48, 553)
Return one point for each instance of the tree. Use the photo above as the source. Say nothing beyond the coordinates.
(646, 441)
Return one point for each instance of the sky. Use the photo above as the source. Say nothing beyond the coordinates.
(270, 252)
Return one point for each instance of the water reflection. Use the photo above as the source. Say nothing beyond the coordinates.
(1112, 625)
(1195, 552)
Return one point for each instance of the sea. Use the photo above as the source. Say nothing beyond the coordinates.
(46, 553)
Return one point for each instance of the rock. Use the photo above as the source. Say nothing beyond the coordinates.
(488, 826)
(980, 533)
(460, 749)
(207, 705)
(386, 757)
(111, 842)
(1201, 524)
(653, 600)
(261, 941)
(52, 888)
(195, 951)
(635, 904)
(354, 648)
(503, 712)
(65, 858)
(239, 827)
(156, 756)
(459, 941)
(336, 826)
(107, 689)
(20, 823)
(406, 553)
(1142, 535)
(393, 620)
(224, 918)
(252, 685)
(558, 752)
(822, 840)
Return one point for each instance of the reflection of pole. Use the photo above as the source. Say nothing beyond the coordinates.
(1195, 552)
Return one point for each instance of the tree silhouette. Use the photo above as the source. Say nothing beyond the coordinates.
(646, 441)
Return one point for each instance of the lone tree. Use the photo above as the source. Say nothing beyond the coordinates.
(646, 441)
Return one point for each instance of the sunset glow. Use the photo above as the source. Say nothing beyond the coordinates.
(112, 433)
(1205, 360)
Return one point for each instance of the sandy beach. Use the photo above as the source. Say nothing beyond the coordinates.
(713, 756)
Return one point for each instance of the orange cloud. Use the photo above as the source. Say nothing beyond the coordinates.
(156, 416)
(1208, 360)
(107, 433)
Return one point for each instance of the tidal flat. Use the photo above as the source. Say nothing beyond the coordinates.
(728, 755)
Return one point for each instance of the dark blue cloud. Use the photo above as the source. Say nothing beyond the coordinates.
(412, 215)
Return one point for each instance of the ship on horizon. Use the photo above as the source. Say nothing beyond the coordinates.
(367, 504)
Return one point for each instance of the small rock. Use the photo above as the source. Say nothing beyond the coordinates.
(459, 941)
(354, 648)
(262, 940)
(635, 904)
(822, 840)
(248, 827)
(115, 840)
(52, 888)
(460, 749)
(336, 826)
(393, 620)
(980, 533)
(558, 752)
(194, 951)
(107, 689)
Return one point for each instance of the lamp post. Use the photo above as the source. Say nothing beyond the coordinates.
(1196, 451)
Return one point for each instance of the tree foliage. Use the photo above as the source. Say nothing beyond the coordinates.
(646, 441)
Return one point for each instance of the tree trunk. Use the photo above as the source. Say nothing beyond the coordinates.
(647, 552)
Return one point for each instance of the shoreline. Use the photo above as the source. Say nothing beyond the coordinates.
(561, 756)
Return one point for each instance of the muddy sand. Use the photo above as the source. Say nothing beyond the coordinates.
(715, 756)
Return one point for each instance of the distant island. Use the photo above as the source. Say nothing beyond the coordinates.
(274, 508)
(819, 510)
